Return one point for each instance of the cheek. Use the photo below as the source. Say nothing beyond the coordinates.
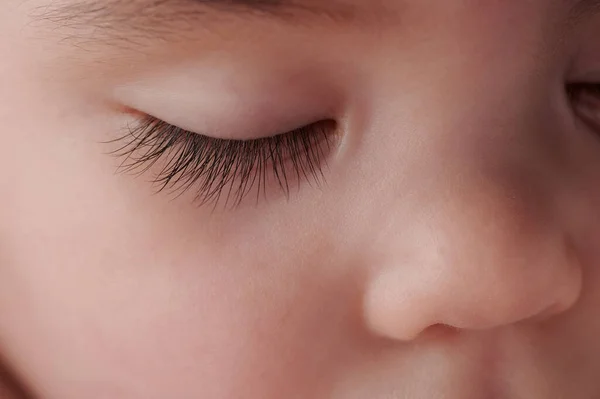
(116, 307)
(192, 329)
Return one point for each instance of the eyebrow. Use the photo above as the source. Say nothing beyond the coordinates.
(584, 8)
(594, 5)
(130, 20)
(127, 21)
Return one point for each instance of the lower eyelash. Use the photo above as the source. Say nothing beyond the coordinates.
(218, 167)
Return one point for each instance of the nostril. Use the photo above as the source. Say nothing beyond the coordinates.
(439, 332)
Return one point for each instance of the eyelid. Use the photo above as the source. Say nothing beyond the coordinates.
(214, 167)
(203, 96)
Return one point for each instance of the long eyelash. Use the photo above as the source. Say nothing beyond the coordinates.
(220, 167)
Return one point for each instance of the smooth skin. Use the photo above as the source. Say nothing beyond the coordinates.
(454, 251)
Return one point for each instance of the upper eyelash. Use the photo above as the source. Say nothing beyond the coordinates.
(219, 165)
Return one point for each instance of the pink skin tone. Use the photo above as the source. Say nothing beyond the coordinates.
(453, 253)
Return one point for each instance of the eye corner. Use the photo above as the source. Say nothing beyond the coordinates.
(585, 99)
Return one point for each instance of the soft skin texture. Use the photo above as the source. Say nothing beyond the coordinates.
(454, 251)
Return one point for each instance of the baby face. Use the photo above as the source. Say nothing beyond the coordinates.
(300, 199)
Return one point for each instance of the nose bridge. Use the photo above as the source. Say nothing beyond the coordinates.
(465, 146)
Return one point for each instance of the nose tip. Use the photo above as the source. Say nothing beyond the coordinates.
(407, 301)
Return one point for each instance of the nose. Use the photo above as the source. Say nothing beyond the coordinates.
(473, 263)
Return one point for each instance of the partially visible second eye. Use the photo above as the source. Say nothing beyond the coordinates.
(228, 170)
(586, 100)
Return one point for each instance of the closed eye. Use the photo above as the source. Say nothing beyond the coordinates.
(224, 170)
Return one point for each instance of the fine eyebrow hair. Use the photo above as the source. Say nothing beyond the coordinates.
(587, 5)
(130, 20)
(583, 8)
